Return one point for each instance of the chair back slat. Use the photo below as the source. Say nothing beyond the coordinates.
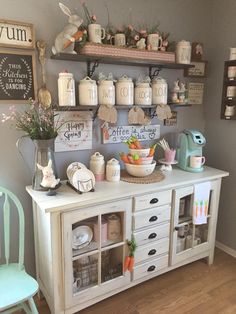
(10, 198)
(6, 220)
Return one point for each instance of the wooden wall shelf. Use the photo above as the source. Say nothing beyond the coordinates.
(229, 101)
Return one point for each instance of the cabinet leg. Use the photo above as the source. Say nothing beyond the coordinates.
(210, 258)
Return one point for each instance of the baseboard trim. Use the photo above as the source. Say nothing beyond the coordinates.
(226, 249)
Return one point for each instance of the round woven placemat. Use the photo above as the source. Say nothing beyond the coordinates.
(156, 176)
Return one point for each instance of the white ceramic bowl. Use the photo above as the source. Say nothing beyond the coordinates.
(140, 170)
(144, 152)
(143, 160)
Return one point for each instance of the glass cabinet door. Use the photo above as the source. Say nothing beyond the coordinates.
(94, 245)
(188, 239)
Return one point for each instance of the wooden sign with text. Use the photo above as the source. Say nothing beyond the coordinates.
(76, 131)
(17, 76)
(120, 134)
(16, 34)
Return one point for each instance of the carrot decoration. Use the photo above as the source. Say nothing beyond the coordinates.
(129, 260)
(152, 150)
(124, 158)
(126, 263)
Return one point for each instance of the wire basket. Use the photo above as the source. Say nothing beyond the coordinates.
(85, 273)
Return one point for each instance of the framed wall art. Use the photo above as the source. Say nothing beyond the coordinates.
(17, 34)
(17, 76)
(199, 69)
(195, 93)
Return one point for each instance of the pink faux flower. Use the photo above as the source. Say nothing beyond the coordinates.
(130, 27)
(94, 18)
(143, 32)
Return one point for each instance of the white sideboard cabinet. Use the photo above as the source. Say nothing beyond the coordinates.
(158, 216)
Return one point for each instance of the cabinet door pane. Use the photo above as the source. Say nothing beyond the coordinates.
(112, 230)
(112, 263)
(85, 236)
(85, 273)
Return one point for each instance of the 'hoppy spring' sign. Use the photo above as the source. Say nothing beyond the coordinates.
(76, 131)
(119, 134)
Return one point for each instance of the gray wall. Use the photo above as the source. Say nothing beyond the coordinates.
(184, 19)
(221, 148)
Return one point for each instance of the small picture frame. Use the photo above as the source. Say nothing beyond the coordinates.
(195, 93)
(199, 69)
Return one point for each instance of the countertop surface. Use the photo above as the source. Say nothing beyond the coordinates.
(67, 199)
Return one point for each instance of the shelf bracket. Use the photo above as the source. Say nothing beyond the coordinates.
(155, 72)
(91, 68)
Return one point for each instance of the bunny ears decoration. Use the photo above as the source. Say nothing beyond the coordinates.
(65, 9)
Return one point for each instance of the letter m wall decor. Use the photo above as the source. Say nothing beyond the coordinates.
(17, 34)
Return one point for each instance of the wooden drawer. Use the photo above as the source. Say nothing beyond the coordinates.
(152, 234)
(152, 200)
(151, 217)
(150, 267)
(149, 251)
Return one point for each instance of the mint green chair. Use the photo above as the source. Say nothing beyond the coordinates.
(17, 288)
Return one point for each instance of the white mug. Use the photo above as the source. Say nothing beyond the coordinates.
(155, 41)
(119, 39)
(96, 33)
(197, 161)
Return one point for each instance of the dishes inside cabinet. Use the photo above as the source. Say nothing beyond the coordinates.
(81, 237)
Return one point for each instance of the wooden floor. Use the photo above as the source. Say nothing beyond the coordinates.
(195, 288)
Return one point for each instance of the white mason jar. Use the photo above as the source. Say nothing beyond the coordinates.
(143, 94)
(232, 55)
(66, 89)
(231, 91)
(106, 92)
(113, 170)
(125, 91)
(88, 95)
(183, 52)
(97, 166)
(159, 91)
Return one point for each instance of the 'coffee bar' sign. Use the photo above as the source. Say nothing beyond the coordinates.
(120, 134)
(16, 34)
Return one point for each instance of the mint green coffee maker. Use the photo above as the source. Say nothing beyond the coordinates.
(190, 143)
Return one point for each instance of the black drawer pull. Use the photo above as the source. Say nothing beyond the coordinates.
(153, 218)
(152, 235)
(151, 268)
(152, 252)
(154, 201)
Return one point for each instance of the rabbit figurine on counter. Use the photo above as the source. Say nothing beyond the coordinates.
(68, 33)
(49, 179)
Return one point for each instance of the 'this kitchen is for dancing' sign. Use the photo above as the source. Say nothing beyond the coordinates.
(17, 77)
(119, 134)
(76, 131)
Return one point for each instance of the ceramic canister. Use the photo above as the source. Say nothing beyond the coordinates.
(113, 227)
(66, 89)
(143, 94)
(97, 166)
(125, 91)
(183, 52)
(231, 91)
(113, 170)
(159, 91)
(232, 55)
(106, 92)
(88, 92)
(231, 72)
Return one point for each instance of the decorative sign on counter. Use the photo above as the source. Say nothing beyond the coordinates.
(195, 93)
(119, 134)
(17, 77)
(171, 121)
(76, 131)
(17, 34)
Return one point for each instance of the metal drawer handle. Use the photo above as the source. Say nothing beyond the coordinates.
(154, 201)
(152, 235)
(152, 252)
(153, 218)
(151, 268)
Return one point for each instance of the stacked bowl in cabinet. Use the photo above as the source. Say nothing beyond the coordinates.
(151, 229)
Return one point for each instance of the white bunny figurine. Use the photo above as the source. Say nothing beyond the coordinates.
(49, 179)
(67, 34)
